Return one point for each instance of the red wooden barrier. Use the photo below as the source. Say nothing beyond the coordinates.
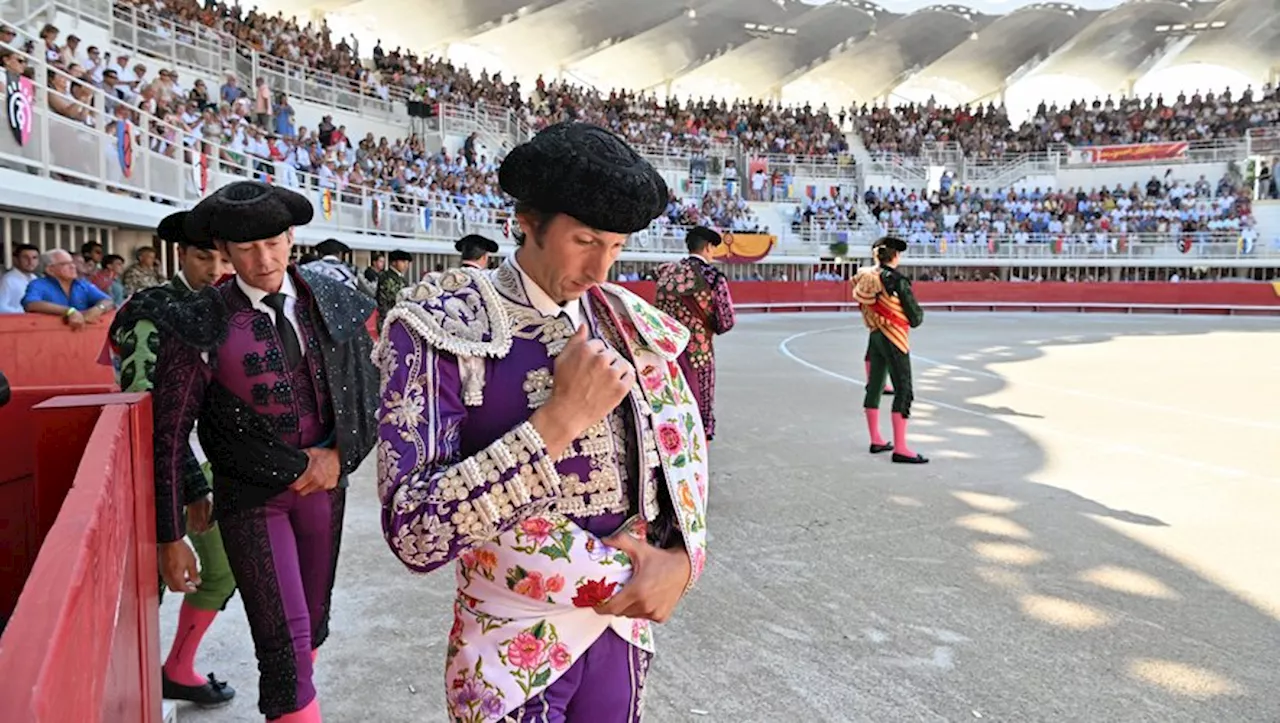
(83, 643)
(782, 292)
(38, 350)
(1242, 293)
(21, 528)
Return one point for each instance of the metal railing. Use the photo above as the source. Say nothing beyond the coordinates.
(1199, 246)
(829, 166)
(1263, 141)
(207, 50)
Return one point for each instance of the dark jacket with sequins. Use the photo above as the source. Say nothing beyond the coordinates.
(251, 462)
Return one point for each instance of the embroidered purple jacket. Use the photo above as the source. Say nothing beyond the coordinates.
(255, 414)
(458, 461)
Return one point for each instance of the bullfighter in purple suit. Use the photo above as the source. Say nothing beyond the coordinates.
(536, 429)
(275, 364)
(697, 295)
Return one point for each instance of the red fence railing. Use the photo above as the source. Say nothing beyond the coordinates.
(83, 642)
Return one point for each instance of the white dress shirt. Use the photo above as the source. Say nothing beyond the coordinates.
(13, 286)
(543, 303)
(290, 292)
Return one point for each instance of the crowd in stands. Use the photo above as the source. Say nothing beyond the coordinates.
(985, 131)
(1168, 208)
(79, 288)
(760, 126)
(254, 130)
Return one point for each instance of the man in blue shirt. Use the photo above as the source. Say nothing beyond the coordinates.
(62, 293)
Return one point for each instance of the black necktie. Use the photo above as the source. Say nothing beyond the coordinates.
(288, 337)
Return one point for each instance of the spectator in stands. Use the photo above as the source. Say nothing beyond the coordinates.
(14, 282)
(90, 259)
(108, 278)
(62, 293)
(144, 273)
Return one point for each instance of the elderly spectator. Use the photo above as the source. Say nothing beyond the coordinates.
(143, 273)
(14, 282)
(61, 293)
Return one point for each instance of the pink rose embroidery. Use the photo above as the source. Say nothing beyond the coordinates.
(531, 586)
(555, 583)
(525, 651)
(538, 528)
(664, 344)
(559, 657)
(651, 378)
(669, 438)
(697, 561)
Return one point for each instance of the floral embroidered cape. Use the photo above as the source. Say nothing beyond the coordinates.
(464, 477)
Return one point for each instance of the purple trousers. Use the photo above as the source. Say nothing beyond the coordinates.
(604, 685)
(284, 556)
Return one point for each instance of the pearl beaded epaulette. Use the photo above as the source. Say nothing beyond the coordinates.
(457, 311)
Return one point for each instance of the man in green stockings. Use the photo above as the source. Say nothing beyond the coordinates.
(135, 338)
(890, 311)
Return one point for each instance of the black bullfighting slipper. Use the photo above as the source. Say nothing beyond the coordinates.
(904, 459)
(878, 448)
(210, 695)
(889, 392)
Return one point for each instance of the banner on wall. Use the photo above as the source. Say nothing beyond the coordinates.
(200, 173)
(743, 248)
(124, 147)
(1128, 154)
(20, 99)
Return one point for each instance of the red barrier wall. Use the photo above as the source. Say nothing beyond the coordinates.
(1231, 293)
(38, 350)
(83, 643)
(25, 521)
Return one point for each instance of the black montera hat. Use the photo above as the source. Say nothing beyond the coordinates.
(399, 255)
(586, 172)
(332, 247)
(247, 211)
(473, 245)
(171, 230)
(892, 242)
(703, 233)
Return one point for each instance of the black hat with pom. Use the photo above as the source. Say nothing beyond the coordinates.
(247, 211)
(171, 230)
(586, 172)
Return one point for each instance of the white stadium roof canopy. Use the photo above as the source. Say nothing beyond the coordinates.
(836, 51)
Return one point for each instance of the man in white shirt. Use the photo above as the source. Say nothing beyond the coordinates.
(13, 285)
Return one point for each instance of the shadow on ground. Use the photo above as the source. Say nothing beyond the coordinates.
(845, 588)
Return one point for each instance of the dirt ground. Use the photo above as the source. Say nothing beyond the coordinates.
(1092, 541)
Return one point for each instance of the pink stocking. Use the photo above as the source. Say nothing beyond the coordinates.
(179, 667)
(873, 426)
(900, 436)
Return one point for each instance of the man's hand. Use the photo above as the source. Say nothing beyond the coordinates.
(323, 469)
(590, 381)
(178, 566)
(658, 580)
(75, 320)
(200, 515)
